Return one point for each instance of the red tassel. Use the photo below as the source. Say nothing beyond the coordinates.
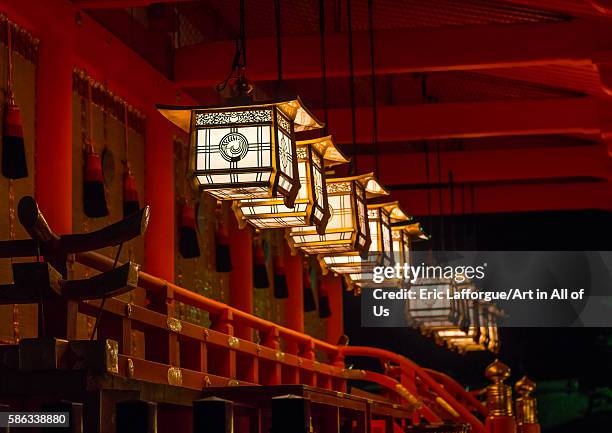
(131, 203)
(188, 238)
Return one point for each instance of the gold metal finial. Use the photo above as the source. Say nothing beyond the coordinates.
(497, 371)
(526, 404)
(499, 395)
(525, 386)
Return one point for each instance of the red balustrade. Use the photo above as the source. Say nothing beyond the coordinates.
(193, 356)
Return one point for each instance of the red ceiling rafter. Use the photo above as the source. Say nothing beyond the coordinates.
(406, 50)
(437, 121)
(119, 4)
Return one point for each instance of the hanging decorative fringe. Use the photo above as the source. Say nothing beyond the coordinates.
(309, 299)
(223, 258)
(130, 192)
(324, 309)
(131, 203)
(94, 196)
(260, 272)
(14, 162)
(188, 237)
(281, 290)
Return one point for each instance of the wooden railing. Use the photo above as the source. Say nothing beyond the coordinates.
(192, 356)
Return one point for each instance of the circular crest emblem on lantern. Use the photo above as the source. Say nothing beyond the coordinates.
(233, 146)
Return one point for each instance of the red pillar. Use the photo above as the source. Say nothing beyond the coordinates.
(241, 276)
(53, 105)
(335, 322)
(294, 306)
(159, 194)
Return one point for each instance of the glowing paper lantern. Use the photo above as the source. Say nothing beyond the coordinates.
(245, 152)
(347, 229)
(380, 218)
(310, 206)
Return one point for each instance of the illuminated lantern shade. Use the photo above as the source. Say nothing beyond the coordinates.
(433, 314)
(403, 234)
(347, 229)
(482, 333)
(380, 218)
(310, 206)
(245, 152)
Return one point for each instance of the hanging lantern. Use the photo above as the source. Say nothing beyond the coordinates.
(245, 152)
(347, 229)
(482, 333)
(310, 207)
(380, 218)
(402, 234)
(428, 314)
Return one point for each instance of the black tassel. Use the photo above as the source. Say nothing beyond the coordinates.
(309, 299)
(14, 163)
(324, 309)
(188, 237)
(281, 290)
(260, 272)
(94, 196)
(223, 258)
(131, 203)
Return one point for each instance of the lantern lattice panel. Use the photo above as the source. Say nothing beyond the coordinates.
(380, 218)
(347, 229)
(311, 204)
(245, 152)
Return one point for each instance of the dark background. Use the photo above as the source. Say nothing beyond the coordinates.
(572, 366)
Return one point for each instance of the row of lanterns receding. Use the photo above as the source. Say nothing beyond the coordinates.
(249, 154)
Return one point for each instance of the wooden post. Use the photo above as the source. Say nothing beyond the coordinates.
(335, 322)
(241, 277)
(213, 415)
(136, 416)
(294, 305)
(291, 413)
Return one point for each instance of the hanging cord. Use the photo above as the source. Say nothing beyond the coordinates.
(353, 164)
(240, 55)
(323, 63)
(90, 117)
(441, 196)
(427, 176)
(451, 186)
(464, 221)
(373, 80)
(279, 47)
(126, 126)
(473, 201)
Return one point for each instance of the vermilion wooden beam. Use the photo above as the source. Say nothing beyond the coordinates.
(403, 50)
(492, 165)
(502, 198)
(118, 4)
(437, 121)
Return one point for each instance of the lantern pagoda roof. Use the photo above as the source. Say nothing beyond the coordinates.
(293, 108)
(372, 186)
(327, 148)
(414, 230)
